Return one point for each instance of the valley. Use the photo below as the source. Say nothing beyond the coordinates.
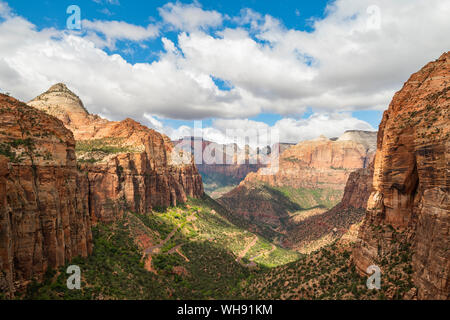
(113, 198)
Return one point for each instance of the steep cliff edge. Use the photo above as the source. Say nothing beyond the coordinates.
(44, 209)
(358, 189)
(410, 203)
(129, 166)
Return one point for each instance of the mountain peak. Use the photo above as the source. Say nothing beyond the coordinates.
(59, 99)
(366, 138)
(59, 87)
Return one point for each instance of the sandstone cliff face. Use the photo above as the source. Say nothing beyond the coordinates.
(358, 189)
(44, 209)
(314, 231)
(311, 178)
(129, 166)
(228, 166)
(222, 167)
(411, 183)
(320, 163)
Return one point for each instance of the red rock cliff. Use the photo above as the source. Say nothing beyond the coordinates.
(411, 182)
(129, 166)
(44, 216)
(320, 163)
(358, 189)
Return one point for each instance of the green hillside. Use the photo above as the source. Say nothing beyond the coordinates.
(186, 252)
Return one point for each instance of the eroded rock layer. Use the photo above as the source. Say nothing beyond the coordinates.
(129, 166)
(320, 163)
(44, 208)
(308, 179)
(411, 182)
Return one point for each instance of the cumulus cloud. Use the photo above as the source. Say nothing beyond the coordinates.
(5, 11)
(153, 123)
(117, 30)
(345, 63)
(189, 17)
(288, 130)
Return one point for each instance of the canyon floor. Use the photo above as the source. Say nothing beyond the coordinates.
(193, 251)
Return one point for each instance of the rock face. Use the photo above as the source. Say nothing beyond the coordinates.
(311, 179)
(129, 166)
(411, 183)
(358, 189)
(321, 163)
(44, 207)
(342, 220)
(229, 166)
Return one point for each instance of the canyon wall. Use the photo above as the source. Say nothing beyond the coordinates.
(310, 179)
(411, 182)
(44, 208)
(315, 231)
(358, 189)
(218, 163)
(129, 166)
(321, 163)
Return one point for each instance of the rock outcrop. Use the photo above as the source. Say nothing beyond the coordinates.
(358, 189)
(321, 163)
(44, 207)
(129, 166)
(314, 231)
(222, 167)
(411, 182)
(309, 175)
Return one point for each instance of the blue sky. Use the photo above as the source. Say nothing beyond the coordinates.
(304, 67)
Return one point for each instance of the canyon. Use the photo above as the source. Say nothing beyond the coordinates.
(64, 170)
(76, 186)
(224, 166)
(310, 178)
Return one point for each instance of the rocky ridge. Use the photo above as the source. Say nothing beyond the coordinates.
(129, 166)
(320, 163)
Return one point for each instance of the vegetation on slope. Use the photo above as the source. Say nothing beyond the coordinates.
(275, 212)
(216, 184)
(193, 252)
(309, 199)
(95, 150)
(330, 274)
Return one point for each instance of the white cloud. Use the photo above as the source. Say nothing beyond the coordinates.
(341, 66)
(189, 17)
(117, 30)
(289, 130)
(5, 10)
(153, 123)
(327, 124)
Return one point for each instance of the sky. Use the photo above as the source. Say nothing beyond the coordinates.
(303, 68)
